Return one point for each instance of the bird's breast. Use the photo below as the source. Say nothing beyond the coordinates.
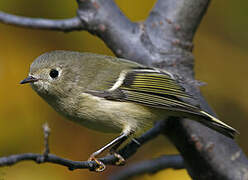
(113, 116)
(105, 115)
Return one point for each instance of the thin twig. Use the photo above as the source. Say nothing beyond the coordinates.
(65, 25)
(46, 130)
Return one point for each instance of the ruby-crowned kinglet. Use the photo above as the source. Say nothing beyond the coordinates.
(110, 94)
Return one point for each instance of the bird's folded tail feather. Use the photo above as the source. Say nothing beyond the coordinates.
(218, 125)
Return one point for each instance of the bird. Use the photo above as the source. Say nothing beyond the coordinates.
(114, 95)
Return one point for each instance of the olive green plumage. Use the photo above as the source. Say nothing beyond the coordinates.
(112, 94)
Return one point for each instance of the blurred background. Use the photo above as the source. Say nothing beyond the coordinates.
(220, 60)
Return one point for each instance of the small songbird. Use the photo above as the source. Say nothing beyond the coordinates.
(113, 95)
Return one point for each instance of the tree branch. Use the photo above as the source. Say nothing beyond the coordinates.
(183, 17)
(65, 25)
(126, 152)
(150, 167)
(120, 35)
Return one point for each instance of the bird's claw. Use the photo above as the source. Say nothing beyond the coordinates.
(121, 161)
(100, 165)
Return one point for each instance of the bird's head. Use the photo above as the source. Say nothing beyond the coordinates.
(55, 74)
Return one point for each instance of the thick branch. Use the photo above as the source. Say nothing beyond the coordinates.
(150, 167)
(207, 154)
(65, 25)
(182, 16)
(119, 34)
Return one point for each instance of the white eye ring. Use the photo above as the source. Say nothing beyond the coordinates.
(54, 73)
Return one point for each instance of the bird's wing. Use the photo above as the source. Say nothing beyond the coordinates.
(152, 87)
(159, 89)
(149, 87)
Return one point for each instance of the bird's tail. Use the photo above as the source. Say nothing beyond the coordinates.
(218, 125)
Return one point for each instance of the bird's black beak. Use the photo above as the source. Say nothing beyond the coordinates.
(29, 79)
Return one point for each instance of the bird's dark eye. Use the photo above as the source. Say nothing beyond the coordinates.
(54, 73)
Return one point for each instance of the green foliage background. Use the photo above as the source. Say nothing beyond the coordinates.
(221, 61)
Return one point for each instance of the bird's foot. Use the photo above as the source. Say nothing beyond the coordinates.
(121, 161)
(100, 165)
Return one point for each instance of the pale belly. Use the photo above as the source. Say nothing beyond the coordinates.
(113, 116)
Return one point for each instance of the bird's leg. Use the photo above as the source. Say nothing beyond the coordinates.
(117, 141)
(113, 151)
